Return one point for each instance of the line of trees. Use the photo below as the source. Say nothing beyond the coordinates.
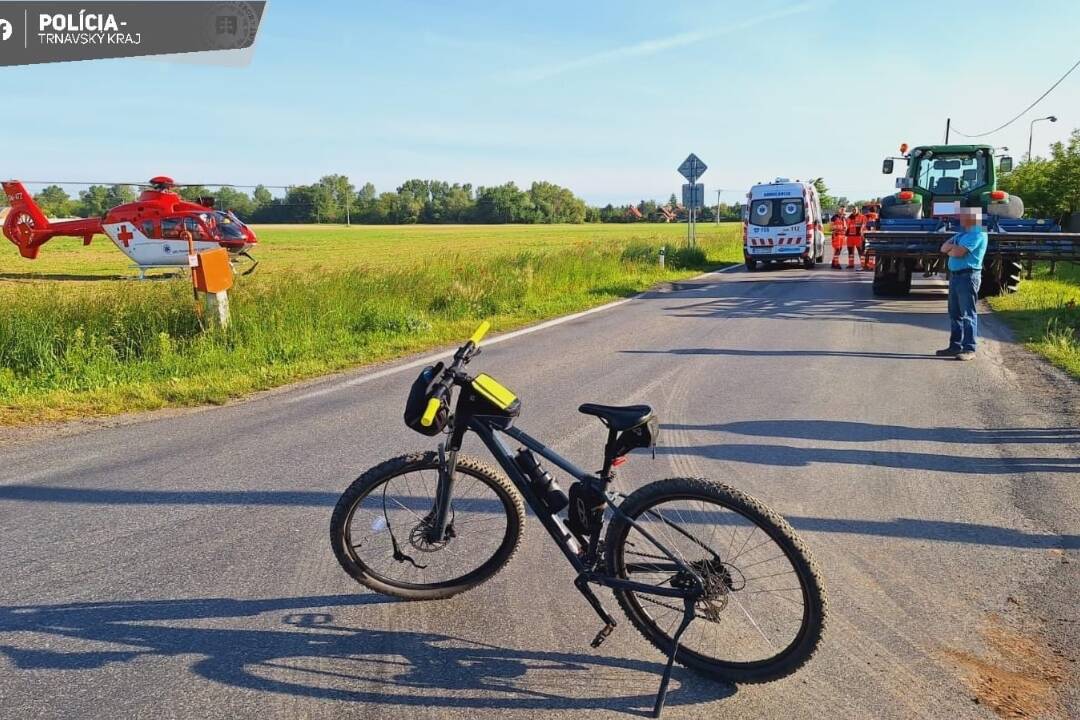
(334, 199)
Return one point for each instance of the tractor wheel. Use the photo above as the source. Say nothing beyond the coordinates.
(1000, 277)
(892, 208)
(891, 279)
(1012, 210)
(1071, 223)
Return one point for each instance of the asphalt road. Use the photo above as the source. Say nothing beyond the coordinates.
(178, 566)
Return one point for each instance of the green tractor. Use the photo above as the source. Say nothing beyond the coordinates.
(920, 216)
(949, 173)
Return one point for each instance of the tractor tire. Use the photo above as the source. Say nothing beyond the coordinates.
(891, 208)
(1071, 223)
(1012, 211)
(888, 281)
(1001, 277)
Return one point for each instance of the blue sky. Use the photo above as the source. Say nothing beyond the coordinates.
(603, 97)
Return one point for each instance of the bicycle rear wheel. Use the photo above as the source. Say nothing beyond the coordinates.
(379, 528)
(763, 613)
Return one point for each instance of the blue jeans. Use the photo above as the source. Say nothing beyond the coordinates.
(963, 320)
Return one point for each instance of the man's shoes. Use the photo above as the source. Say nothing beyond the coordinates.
(948, 352)
(966, 355)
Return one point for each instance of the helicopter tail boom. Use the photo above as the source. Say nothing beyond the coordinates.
(27, 227)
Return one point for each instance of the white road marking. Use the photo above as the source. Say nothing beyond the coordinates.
(434, 357)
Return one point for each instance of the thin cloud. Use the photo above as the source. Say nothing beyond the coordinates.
(655, 45)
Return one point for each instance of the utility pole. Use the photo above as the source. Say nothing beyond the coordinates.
(718, 206)
(348, 201)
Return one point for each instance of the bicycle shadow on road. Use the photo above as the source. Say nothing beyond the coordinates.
(320, 658)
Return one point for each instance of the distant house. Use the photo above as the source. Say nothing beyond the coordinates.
(633, 213)
(668, 213)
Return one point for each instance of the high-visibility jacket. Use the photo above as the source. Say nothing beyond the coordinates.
(855, 224)
(839, 224)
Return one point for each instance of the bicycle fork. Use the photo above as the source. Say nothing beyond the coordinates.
(443, 490)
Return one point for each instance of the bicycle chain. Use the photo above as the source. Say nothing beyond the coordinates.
(713, 612)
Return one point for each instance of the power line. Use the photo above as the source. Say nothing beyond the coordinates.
(1025, 110)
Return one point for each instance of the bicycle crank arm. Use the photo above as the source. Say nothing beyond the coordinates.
(582, 584)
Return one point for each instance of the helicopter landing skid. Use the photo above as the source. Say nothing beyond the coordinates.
(254, 262)
(141, 269)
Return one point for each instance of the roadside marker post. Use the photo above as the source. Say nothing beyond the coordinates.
(692, 168)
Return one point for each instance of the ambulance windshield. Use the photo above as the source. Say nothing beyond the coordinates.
(777, 213)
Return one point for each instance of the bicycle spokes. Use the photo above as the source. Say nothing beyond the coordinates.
(391, 527)
(752, 606)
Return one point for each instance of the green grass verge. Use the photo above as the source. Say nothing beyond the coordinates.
(75, 349)
(1045, 314)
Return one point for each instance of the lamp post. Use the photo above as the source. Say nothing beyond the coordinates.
(1031, 131)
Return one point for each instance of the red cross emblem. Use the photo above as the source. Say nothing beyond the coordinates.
(124, 235)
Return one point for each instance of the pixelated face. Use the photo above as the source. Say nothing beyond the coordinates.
(970, 218)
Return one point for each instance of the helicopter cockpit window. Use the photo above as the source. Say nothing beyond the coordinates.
(229, 225)
(148, 228)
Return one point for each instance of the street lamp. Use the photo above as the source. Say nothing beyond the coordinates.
(1031, 130)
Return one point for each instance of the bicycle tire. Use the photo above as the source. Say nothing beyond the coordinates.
(813, 623)
(512, 504)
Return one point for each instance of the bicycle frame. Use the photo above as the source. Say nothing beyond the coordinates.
(488, 428)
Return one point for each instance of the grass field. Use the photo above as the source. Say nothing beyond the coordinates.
(76, 341)
(1045, 314)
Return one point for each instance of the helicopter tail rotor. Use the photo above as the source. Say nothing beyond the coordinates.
(27, 227)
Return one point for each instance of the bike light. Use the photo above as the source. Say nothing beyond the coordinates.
(998, 195)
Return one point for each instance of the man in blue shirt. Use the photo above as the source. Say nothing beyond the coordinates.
(966, 250)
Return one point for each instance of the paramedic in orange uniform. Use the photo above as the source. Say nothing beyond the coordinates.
(838, 223)
(871, 224)
(855, 225)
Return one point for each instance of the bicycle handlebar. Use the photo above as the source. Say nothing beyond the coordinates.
(464, 354)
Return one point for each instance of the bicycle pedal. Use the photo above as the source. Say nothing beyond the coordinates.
(602, 635)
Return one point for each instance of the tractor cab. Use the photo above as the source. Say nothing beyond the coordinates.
(966, 174)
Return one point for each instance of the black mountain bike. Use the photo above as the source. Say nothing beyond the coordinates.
(430, 525)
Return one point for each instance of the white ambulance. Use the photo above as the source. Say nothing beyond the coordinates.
(782, 221)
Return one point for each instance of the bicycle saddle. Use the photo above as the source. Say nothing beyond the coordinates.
(618, 417)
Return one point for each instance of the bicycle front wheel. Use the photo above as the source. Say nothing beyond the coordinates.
(380, 529)
(763, 612)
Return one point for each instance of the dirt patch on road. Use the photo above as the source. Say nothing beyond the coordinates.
(1019, 676)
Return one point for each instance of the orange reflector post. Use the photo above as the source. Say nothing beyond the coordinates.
(213, 274)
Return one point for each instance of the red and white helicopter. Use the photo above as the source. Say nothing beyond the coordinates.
(152, 231)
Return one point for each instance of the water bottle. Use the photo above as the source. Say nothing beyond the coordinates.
(545, 487)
